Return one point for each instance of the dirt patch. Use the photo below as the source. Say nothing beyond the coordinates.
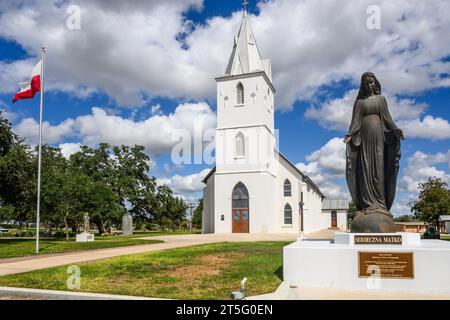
(209, 265)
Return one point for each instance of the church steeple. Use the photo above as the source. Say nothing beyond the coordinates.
(245, 57)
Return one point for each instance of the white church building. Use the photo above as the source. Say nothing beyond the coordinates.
(254, 188)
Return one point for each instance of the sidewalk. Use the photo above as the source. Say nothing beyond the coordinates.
(286, 292)
(26, 264)
(11, 293)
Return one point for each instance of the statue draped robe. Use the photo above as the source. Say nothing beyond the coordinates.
(373, 155)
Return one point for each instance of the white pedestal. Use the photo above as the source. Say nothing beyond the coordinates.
(408, 238)
(85, 237)
(324, 264)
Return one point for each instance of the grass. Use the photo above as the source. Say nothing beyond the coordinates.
(199, 272)
(11, 248)
(445, 237)
(17, 247)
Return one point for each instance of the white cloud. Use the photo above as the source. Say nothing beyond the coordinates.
(157, 133)
(428, 127)
(29, 128)
(156, 109)
(131, 52)
(7, 113)
(336, 114)
(67, 149)
(420, 167)
(326, 166)
(185, 185)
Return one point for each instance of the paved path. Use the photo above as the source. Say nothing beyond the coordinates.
(327, 234)
(26, 264)
(286, 292)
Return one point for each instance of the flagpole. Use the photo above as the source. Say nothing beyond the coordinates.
(40, 152)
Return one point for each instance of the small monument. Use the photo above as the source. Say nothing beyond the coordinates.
(127, 225)
(86, 236)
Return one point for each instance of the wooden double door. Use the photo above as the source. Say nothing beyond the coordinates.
(240, 220)
(240, 213)
(333, 219)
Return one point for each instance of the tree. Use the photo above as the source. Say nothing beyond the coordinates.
(17, 176)
(405, 218)
(101, 202)
(351, 211)
(105, 181)
(197, 216)
(135, 189)
(7, 138)
(433, 201)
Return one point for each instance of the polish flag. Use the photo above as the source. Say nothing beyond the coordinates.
(29, 88)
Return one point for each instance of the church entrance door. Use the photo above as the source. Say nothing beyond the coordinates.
(240, 221)
(333, 219)
(240, 210)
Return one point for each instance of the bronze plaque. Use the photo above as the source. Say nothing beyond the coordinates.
(379, 239)
(386, 264)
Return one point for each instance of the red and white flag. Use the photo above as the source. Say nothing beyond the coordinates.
(29, 88)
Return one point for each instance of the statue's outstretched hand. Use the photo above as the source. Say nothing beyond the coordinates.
(347, 139)
(399, 134)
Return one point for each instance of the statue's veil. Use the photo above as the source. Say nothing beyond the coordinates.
(362, 89)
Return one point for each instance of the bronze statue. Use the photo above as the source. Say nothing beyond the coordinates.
(373, 156)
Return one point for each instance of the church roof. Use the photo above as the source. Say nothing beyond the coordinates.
(305, 177)
(245, 57)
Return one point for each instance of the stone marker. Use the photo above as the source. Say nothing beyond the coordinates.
(127, 225)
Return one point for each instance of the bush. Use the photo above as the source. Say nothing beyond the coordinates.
(18, 233)
(62, 234)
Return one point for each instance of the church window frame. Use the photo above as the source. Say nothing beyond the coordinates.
(240, 94)
(287, 188)
(239, 144)
(287, 214)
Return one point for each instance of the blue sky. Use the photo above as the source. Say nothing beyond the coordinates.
(149, 67)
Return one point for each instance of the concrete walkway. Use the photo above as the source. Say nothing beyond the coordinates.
(11, 293)
(286, 292)
(26, 264)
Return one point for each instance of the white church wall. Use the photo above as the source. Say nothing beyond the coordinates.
(286, 172)
(342, 219)
(262, 206)
(208, 207)
(258, 106)
(316, 221)
(259, 150)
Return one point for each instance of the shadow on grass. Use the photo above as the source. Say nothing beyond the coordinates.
(279, 273)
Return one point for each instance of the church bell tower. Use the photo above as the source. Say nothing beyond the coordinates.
(245, 138)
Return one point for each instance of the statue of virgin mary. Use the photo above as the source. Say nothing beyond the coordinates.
(373, 156)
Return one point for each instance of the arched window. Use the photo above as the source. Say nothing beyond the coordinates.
(287, 214)
(287, 188)
(240, 196)
(240, 145)
(240, 93)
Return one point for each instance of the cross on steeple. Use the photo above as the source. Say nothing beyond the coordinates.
(244, 4)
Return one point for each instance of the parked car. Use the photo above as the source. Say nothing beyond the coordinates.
(431, 233)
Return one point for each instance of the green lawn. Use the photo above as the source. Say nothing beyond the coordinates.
(16, 247)
(200, 272)
(445, 237)
(10, 248)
